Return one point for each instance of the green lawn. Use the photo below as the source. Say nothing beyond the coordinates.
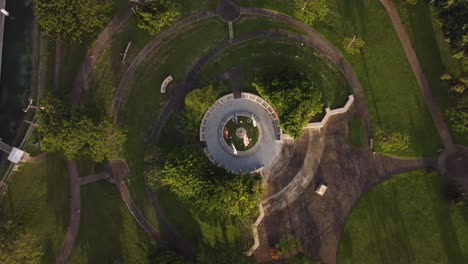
(394, 99)
(108, 231)
(258, 56)
(38, 199)
(144, 100)
(406, 220)
(433, 52)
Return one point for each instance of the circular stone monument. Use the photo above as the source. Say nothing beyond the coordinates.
(241, 134)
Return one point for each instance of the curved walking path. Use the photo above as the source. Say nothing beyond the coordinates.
(320, 43)
(423, 83)
(96, 48)
(74, 219)
(153, 45)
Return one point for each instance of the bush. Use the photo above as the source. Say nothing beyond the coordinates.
(391, 142)
(155, 15)
(310, 11)
(353, 45)
(286, 245)
(296, 100)
(195, 180)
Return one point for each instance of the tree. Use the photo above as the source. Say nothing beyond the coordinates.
(155, 15)
(353, 45)
(195, 180)
(71, 21)
(77, 132)
(412, 2)
(18, 246)
(310, 11)
(295, 99)
(458, 116)
(196, 104)
(453, 16)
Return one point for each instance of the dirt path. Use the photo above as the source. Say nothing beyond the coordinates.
(423, 83)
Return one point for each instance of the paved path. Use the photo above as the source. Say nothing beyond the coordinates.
(74, 219)
(434, 108)
(97, 47)
(94, 178)
(153, 45)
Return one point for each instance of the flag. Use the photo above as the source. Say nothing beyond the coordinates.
(234, 150)
(234, 119)
(246, 140)
(254, 123)
(226, 132)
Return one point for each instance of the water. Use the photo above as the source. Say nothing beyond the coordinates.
(16, 67)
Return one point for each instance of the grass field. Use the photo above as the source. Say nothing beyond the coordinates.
(394, 99)
(108, 232)
(256, 57)
(406, 220)
(144, 100)
(38, 199)
(433, 53)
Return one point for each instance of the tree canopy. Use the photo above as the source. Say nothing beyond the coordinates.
(77, 132)
(72, 20)
(189, 174)
(155, 15)
(310, 11)
(18, 246)
(453, 15)
(353, 45)
(295, 99)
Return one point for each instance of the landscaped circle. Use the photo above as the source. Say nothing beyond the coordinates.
(245, 118)
(241, 132)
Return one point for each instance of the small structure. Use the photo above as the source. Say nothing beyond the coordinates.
(321, 190)
(166, 83)
(16, 155)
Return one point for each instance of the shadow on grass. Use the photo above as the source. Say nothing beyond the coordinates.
(447, 231)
